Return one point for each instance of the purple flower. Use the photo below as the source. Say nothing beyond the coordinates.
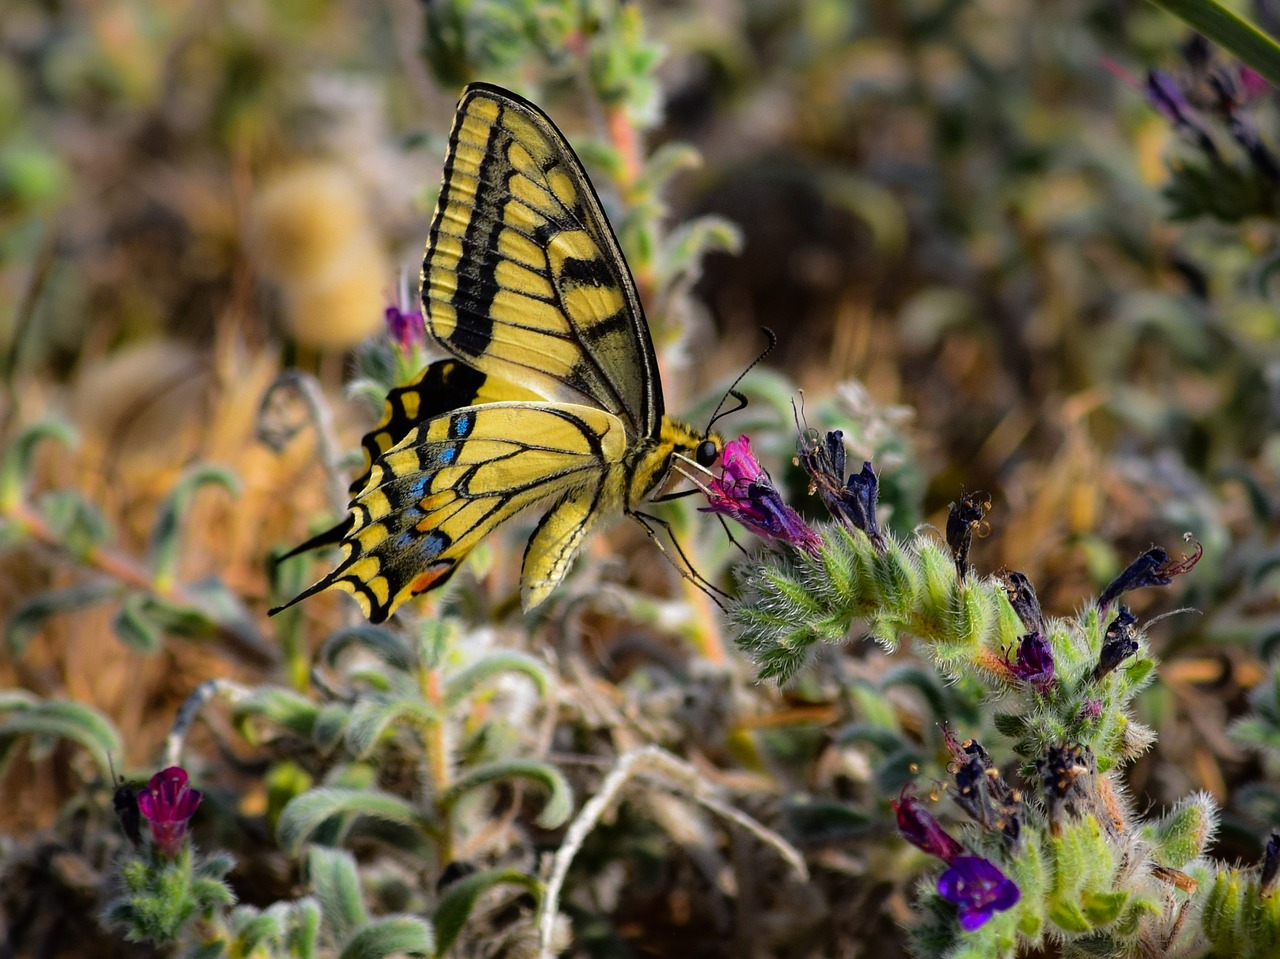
(1034, 663)
(978, 888)
(168, 803)
(852, 503)
(405, 327)
(744, 492)
(921, 829)
(1152, 568)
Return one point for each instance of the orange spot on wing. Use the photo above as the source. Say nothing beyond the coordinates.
(430, 576)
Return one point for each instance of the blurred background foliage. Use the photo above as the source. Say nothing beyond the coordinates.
(989, 255)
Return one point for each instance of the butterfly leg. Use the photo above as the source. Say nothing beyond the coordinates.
(648, 521)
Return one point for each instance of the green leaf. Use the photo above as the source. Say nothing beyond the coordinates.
(333, 878)
(281, 707)
(30, 615)
(305, 814)
(559, 806)
(384, 644)
(456, 904)
(16, 465)
(463, 684)
(78, 523)
(134, 627)
(392, 936)
(1103, 908)
(370, 718)
(164, 535)
(62, 719)
(1068, 917)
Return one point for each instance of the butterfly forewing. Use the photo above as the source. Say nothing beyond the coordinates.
(523, 278)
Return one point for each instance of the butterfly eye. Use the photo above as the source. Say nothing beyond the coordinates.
(707, 453)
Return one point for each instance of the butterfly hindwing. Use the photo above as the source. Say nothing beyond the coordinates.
(451, 481)
(442, 387)
(523, 278)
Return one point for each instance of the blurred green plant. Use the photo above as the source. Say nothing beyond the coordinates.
(152, 602)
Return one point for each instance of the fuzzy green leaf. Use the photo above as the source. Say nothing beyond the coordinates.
(460, 898)
(370, 718)
(391, 936)
(465, 683)
(18, 458)
(305, 814)
(30, 615)
(559, 806)
(384, 644)
(134, 627)
(54, 719)
(334, 880)
(165, 541)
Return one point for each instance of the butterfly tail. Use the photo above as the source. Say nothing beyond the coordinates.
(330, 537)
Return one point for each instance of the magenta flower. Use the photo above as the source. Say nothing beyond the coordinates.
(168, 803)
(745, 493)
(978, 888)
(921, 829)
(405, 327)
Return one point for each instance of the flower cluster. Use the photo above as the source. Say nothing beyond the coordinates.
(852, 503)
(974, 885)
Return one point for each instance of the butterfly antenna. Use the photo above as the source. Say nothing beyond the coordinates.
(731, 391)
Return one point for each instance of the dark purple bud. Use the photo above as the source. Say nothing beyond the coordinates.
(921, 829)
(1023, 599)
(978, 889)
(858, 504)
(1270, 877)
(1118, 644)
(966, 517)
(125, 803)
(1152, 568)
(745, 493)
(168, 802)
(1034, 663)
(982, 792)
(852, 503)
(1067, 775)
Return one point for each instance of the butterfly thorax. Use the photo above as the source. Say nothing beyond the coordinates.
(649, 463)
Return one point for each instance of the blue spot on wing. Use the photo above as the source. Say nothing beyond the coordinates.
(461, 425)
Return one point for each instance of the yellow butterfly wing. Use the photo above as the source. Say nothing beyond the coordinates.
(450, 482)
(523, 278)
(524, 284)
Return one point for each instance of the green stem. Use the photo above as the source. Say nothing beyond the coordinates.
(1231, 31)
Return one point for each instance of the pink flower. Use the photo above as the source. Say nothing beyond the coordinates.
(745, 493)
(168, 803)
(921, 829)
